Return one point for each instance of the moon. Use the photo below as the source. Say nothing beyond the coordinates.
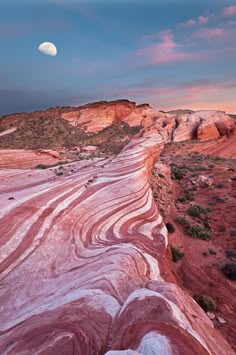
(48, 48)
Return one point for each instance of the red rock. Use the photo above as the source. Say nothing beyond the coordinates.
(21, 159)
(83, 270)
(83, 258)
(207, 130)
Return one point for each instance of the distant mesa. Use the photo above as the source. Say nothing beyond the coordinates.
(48, 48)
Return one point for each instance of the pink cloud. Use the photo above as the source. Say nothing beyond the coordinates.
(188, 23)
(188, 90)
(166, 51)
(210, 33)
(203, 19)
(230, 11)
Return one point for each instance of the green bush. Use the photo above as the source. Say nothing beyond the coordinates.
(42, 166)
(205, 302)
(177, 173)
(170, 227)
(197, 210)
(183, 221)
(222, 228)
(189, 195)
(198, 231)
(230, 253)
(182, 199)
(220, 186)
(229, 270)
(200, 168)
(176, 254)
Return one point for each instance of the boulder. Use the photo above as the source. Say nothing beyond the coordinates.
(207, 130)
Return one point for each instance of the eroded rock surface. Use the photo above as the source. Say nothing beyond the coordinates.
(84, 270)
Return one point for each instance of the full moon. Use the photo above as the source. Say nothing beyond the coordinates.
(48, 48)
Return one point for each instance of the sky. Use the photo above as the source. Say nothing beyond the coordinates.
(170, 54)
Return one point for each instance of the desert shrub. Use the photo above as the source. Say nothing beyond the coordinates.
(42, 166)
(198, 231)
(222, 228)
(218, 159)
(193, 188)
(233, 178)
(176, 254)
(212, 251)
(220, 185)
(181, 199)
(195, 174)
(59, 173)
(229, 270)
(231, 168)
(219, 199)
(197, 210)
(161, 176)
(177, 173)
(183, 221)
(233, 233)
(230, 253)
(211, 165)
(170, 227)
(200, 168)
(205, 302)
(189, 195)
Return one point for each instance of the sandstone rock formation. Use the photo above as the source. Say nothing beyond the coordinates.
(205, 125)
(84, 269)
(20, 158)
(207, 130)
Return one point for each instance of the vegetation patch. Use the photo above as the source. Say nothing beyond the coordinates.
(197, 210)
(170, 227)
(177, 172)
(195, 231)
(46, 166)
(229, 270)
(176, 254)
(230, 253)
(205, 302)
(222, 228)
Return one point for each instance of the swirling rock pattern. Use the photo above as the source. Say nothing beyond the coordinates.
(84, 269)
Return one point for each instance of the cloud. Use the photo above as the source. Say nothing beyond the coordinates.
(213, 32)
(188, 23)
(229, 11)
(203, 19)
(166, 51)
(232, 22)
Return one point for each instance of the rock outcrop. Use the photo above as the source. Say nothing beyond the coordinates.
(207, 130)
(204, 125)
(84, 270)
(21, 159)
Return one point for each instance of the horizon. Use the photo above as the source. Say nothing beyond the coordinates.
(169, 54)
(109, 101)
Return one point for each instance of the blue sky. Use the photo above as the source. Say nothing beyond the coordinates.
(171, 54)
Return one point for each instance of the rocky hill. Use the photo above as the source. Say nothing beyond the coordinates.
(122, 239)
